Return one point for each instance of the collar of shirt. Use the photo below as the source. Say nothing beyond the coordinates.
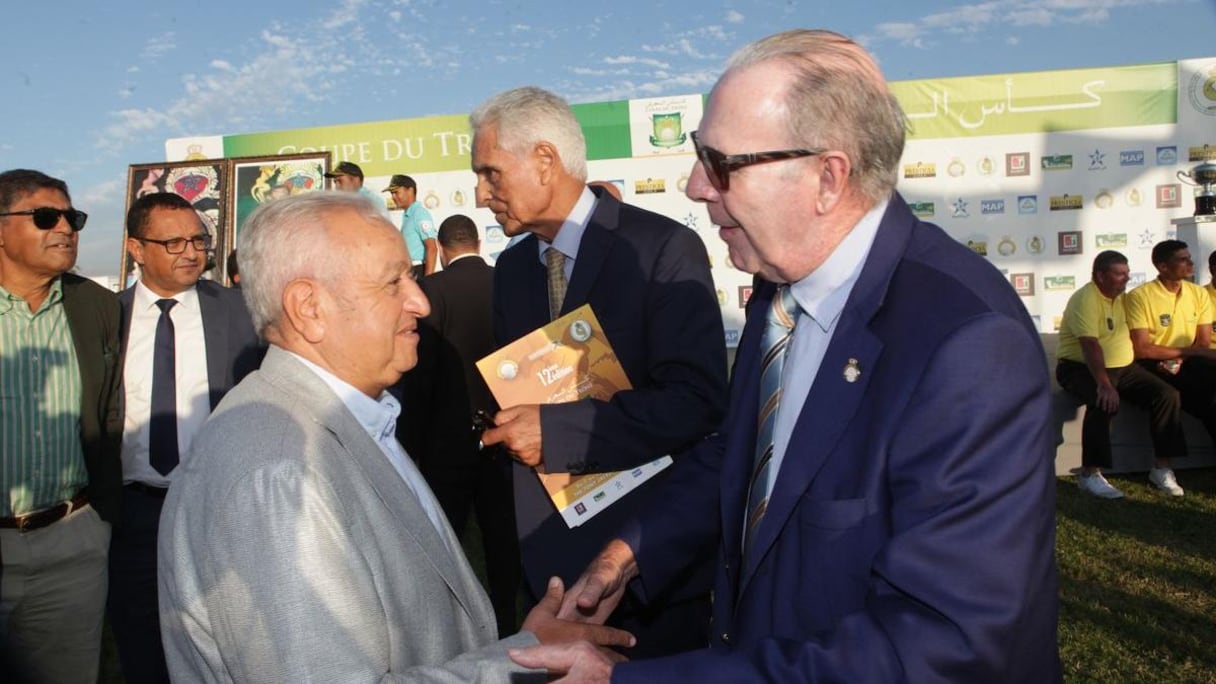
(466, 255)
(413, 207)
(8, 300)
(145, 299)
(823, 294)
(571, 233)
(378, 417)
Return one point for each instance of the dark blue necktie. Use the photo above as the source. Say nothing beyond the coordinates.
(162, 428)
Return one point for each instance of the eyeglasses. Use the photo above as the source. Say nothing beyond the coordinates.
(46, 218)
(178, 245)
(718, 166)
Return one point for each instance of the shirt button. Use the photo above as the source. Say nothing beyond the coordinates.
(726, 637)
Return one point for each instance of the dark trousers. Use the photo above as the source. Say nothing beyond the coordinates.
(1136, 385)
(1196, 383)
(480, 483)
(132, 604)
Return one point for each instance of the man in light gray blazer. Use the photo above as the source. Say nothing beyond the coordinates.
(298, 541)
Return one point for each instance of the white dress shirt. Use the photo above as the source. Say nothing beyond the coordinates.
(379, 418)
(821, 297)
(193, 389)
(570, 235)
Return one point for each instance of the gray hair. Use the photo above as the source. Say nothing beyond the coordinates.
(838, 99)
(287, 239)
(523, 117)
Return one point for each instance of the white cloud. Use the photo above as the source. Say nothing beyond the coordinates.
(159, 46)
(629, 59)
(733, 17)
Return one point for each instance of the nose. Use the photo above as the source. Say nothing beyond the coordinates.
(699, 189)
(415, 302)
(482, 191)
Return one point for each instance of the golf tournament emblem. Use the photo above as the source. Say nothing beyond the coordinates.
(668, 129)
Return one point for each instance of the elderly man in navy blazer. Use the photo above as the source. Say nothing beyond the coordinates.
(893, 519)
(186, 342)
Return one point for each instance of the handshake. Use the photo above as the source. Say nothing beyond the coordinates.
(570, 624)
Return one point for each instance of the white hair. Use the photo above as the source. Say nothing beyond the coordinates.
(525, 116)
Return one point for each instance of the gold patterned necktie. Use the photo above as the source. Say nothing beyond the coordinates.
(556, 263)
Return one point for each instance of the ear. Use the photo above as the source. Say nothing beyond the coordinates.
(136, 249)
(548, 160)
(834, 180)
(302, 310)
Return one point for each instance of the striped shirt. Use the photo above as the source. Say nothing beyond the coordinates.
(41, 459)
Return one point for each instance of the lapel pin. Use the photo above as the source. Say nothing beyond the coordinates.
(852, 371)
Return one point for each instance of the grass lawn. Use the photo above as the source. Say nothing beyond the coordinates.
(1138, 581)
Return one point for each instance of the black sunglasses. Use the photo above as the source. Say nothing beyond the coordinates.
(718, 166)
(178, 245)
(46, 218)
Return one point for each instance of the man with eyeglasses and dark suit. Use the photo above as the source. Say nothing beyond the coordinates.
(185, 343)
(60, 422)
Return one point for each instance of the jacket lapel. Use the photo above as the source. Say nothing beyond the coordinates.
(592, 251)
(444, 554)
(215, 336)
(833, 399)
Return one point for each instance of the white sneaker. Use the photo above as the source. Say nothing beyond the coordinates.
(1098, 486)
(1163, 479)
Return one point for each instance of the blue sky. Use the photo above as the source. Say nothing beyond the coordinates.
(91, 87)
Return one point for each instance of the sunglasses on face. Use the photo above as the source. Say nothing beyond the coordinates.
(178, 245)
(46, 218)
(718, 166)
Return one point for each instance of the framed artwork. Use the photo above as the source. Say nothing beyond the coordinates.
(256, 180)
(204, 182)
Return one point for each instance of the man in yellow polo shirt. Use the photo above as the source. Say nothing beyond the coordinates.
(1170, 319)
(1096, 364)
(1211, 289)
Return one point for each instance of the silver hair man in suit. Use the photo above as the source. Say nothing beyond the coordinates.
(299, 542)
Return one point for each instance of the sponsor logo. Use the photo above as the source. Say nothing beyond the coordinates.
(1110, 240)
(993, 206)
(667, 129)
(732, 336)
(1069, 242)
(649, 186)
(1028, 204)
(580, 508)
(1133, 197)
(1034, 245)
(1169, 196)
(691, 220)
(1199, 154)
(1017, 164)
(1147, 239)
(1057, 162)
(1167, 155)
(721, 296)
(986, 166)
(1097, 160)
(1023, 283)
(1104, 199)
(1065, 202)
(1165, 319)
(745, 293)
(920, 170)
(1060, 282)
(980, 247)
(1136, 279)
(494, 235)
(959, 208)
(1006, 247)
(923, 209)
(599, 496)
(1201, 91)
(1131, 158)
(956, 168)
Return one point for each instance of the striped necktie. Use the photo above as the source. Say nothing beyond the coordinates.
(779, 326)
(556, 263)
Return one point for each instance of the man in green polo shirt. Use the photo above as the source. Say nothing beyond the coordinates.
(60, 426)
(1170, 319)
(1096, 364)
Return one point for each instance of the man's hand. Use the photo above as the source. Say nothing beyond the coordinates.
(577, 662)
(1108, 398)
(517, 429)
(602, 585)
(544, 622)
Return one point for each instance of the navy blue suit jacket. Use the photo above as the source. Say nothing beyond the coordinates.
(647, 279)
(233, 347)
(910, 534)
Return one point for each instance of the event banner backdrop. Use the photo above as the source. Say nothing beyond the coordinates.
(1036, 171)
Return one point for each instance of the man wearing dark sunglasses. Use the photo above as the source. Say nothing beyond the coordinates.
(881, 493)
(60, 423)
(185, 343)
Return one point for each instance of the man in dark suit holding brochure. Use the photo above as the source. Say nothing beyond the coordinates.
(647, 280)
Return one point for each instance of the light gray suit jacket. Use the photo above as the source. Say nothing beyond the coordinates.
(290, 550)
